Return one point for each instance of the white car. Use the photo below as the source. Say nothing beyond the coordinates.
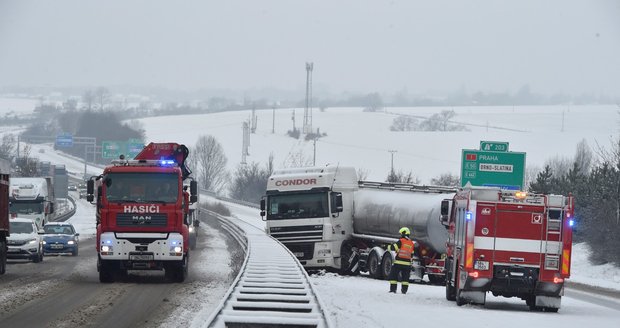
(25, 240)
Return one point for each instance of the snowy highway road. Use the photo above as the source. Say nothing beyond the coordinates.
(65, 291)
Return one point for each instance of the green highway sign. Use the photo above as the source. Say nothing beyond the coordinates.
(134, 147)
(493, 146)
(493, 168)
(112, 149)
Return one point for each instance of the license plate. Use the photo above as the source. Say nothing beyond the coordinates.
(481, 265)
(298, 254)
(57, 246)
(13, 250)
(141, 257)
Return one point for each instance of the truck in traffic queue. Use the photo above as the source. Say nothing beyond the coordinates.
(509, 243)
(32, 198)
(142, 212)
(330, 220)
(4, 219)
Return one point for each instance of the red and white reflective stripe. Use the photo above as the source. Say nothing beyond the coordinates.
(514, 244)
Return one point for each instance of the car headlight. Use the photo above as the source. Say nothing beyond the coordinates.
(44, 242)
(71, 242)
(32, 241)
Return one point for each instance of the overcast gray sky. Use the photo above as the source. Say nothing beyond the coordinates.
(570, 46)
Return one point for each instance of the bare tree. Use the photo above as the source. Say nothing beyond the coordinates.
(559, 165)
(404, 123)
(88, 98)
(26, 166)
(446, 179)
(298, 159)
(583, 157)
(362, 174)
(7, 147)
(210, 163)
(402, 177)
(102, 96)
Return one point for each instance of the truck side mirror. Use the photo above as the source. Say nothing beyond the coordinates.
(336, 200)
(446, 206)
(90, 188)
(193, 187)
(262, 207)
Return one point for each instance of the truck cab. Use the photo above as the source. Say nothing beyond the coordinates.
(303, 209)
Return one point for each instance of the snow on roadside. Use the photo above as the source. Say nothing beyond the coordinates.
(582, 271)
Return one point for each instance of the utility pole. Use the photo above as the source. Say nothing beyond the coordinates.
(273, 120)
(307, 127)
(392, 152)
(246, 142)
(314, 147)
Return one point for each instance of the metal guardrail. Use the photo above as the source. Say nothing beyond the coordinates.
(271, 289)
(68, 215)
(230, 200)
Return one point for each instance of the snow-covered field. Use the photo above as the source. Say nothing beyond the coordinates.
(363, 139)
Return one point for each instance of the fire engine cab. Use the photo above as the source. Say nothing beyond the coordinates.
(509, 243)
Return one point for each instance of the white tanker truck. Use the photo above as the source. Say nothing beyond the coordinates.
(330, 220)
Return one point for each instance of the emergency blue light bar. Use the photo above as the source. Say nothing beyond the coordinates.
(571, 222)
(167, 162)
(468, 215)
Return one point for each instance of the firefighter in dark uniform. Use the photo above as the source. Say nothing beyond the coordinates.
(401, 268)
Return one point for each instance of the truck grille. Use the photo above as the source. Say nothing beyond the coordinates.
(303, 251)
(297, 234)
(141, 220)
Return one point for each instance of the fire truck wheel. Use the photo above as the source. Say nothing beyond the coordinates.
(386, 264)
(374, 265)
(105, 272)
(177, 272)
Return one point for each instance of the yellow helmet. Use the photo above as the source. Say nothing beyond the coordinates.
(404, 231)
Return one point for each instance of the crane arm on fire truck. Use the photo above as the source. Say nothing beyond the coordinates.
(166, 151)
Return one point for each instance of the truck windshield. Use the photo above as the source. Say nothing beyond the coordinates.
(141, 187)
(19, 207)
(297, 206)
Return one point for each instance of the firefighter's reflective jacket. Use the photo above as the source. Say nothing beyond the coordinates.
(404, 251)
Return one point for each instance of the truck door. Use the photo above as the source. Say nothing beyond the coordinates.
(519, 234)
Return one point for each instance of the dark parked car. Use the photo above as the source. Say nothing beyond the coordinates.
(60, 238)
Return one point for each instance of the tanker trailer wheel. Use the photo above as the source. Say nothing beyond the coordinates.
(386, 264)
(349, 260)
(374, 265)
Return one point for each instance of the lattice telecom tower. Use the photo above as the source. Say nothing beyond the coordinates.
(307, 127)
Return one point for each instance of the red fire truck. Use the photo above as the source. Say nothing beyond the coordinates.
(509, 243)
(142, 213)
